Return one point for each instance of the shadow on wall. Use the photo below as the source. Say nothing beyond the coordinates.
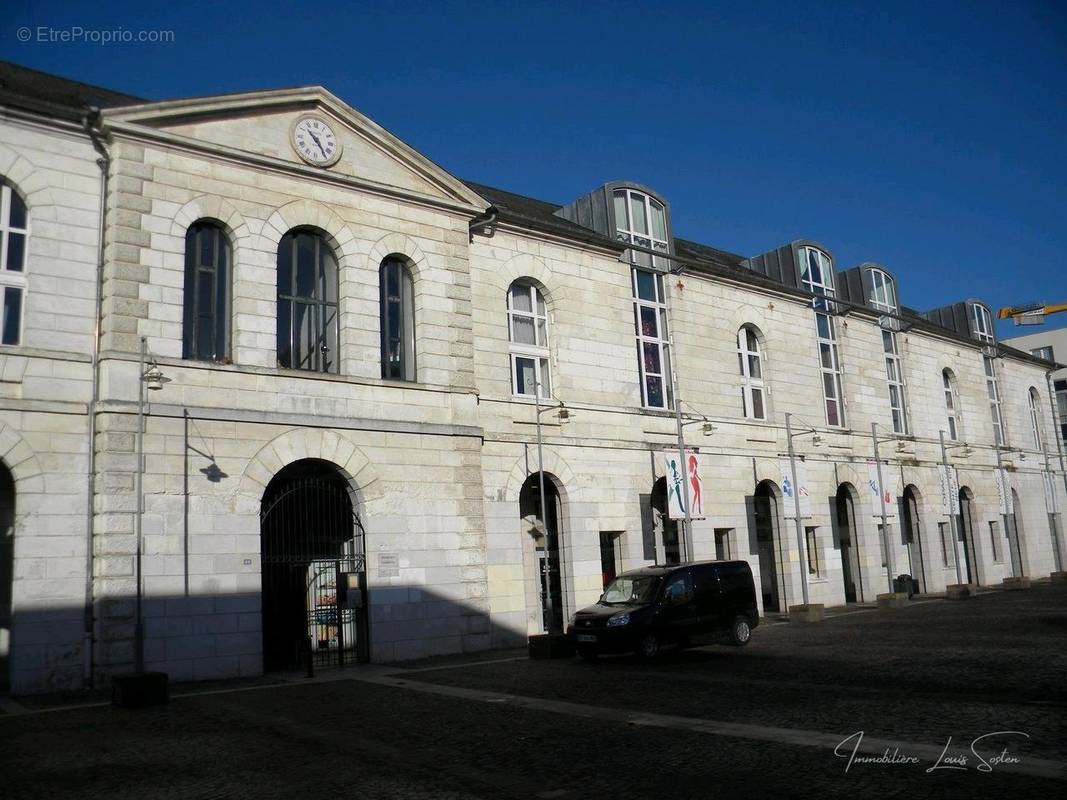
(239, 635)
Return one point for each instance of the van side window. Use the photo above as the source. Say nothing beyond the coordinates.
(679, 591)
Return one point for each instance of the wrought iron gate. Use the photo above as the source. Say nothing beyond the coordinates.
(314, 575)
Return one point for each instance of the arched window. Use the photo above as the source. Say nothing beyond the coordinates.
(750, 360)
(882, 292)
(307, 302)
(397, 320)
(14, 236)
(528, 334)
(952, 404)
(816, 271)
(982, 323)
(1035, 420)
(641, 220)
(206, 329)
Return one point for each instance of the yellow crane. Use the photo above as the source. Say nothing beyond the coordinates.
(1032, 313)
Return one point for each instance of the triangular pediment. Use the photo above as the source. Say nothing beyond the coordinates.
(261, 124)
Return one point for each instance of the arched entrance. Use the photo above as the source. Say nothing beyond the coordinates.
(769, 543)
(314, 572)
(667, 539)
(7, 569)
(1015, 537)
(848, 540)
(966, 528)
(546, 547)
(913, 535)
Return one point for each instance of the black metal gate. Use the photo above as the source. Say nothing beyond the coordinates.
(314, 573)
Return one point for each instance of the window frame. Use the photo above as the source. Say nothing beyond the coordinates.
(751, 385)
(831, 375)
(221, 276)
(1000, 437)
(888, 300)
(952, 405)
(404, 303)
(331, 363)
(627, 231)
(982, 323)
(894, 374)
(811, 545)
(1034, 399)
(540, 354)
(825, 265)
(13, 280)
(660, 341)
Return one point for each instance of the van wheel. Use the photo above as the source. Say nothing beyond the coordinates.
(740, 631)
(649, 647)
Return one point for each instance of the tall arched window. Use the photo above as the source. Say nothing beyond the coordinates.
(750, 360)
(982, 323)
(817, 276)
(882, 292)
(528, 334)
(206, 329)
(397, 320)
(952, 404)
(1035, 420)
(307, 302)
(14, 236)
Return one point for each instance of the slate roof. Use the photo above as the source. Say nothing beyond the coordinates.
(40, 91)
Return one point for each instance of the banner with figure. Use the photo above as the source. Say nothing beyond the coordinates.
(789, 506)
(1007, 502)
(950, 490)
(675, 473)
(883, 487)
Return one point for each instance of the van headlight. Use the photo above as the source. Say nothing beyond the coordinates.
(622, 618)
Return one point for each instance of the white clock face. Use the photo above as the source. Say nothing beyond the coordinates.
(315, 142)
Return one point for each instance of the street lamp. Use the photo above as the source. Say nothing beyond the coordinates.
(953, 497)
(881, 499)
(564, 415)
(151, 376)
(802, 548)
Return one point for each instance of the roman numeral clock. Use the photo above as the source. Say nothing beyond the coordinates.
(315, 142)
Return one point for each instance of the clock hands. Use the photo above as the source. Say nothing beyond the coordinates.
(317, 142)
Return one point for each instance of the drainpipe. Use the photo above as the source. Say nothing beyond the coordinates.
(484, 224)
(92, 129)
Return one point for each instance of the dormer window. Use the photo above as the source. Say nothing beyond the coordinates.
(816, 271)
(881, 291)
(982, 323)
(641, 220)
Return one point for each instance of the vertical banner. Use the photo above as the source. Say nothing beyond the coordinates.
(950, 490)
(881, 488)
(789, 506)
(1050, 493)
(690, 473)
(1007, 502)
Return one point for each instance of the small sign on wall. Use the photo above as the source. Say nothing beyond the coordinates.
(388, 565)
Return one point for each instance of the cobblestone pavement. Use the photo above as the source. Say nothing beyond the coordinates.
(487, 727)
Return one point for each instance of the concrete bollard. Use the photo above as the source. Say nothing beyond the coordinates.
(892, 600)
(958, 591)
(1016, 583)
(809, 612)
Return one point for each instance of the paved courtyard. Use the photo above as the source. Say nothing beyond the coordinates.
(764, 720)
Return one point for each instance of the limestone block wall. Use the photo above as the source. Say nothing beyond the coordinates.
(45, 388)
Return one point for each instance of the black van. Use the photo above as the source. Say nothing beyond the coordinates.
(647, 608)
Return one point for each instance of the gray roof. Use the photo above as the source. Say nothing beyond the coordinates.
(39, 91)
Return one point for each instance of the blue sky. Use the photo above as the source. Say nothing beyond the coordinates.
(927, 136)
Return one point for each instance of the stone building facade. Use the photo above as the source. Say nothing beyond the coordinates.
(338, 345)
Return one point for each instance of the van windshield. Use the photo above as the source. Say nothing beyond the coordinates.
(631, 590)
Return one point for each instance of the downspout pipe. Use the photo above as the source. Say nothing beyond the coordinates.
(92, 129)
(484, 224)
